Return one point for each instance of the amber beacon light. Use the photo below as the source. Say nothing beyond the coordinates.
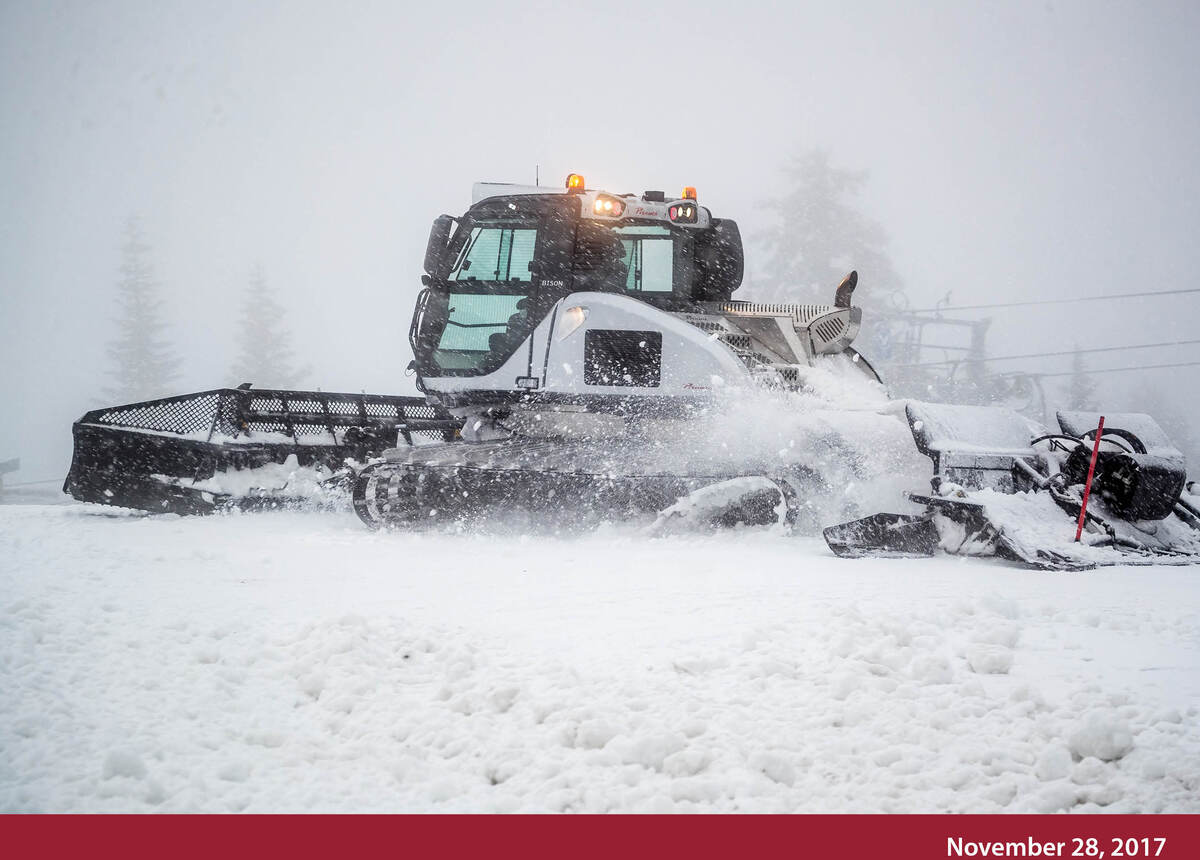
(575, 182)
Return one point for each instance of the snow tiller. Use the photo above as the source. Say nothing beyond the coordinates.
(1082, 496)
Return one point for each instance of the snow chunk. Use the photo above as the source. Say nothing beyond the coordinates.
(932, 669)
(235, 771)
(688, 762)
(1055, 797)
(652, 750)
(123, 763)
(1102, 734)
(1053, 763)
(775, 768)
(989, 659)
(1089, 771)
(1154, 768)
(594, 734)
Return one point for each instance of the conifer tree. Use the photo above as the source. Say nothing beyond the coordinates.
(820, 234)
(1081, 385)
(264, 343)
(144, 362)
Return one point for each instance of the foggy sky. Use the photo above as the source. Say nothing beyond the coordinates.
(1017, 150)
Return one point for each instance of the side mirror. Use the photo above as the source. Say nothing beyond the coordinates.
(439, 240)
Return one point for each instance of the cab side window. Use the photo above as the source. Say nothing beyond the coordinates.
(649, 257)
(496, 254)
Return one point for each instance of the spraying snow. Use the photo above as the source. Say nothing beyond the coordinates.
(286, 479)
(840, 427)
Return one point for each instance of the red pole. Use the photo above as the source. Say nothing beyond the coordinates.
(1087, 488)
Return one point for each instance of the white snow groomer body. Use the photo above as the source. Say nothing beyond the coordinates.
(581, 357)
(578, 335)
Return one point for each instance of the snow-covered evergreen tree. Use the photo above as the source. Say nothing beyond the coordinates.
(144, 363)
(264, 343)
(1081, 385)
(819, 235)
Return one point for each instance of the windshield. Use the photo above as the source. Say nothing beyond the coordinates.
(496, 252)
(477, 326)
(487, 303)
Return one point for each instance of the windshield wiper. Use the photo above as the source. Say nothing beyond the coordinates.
(476, 325)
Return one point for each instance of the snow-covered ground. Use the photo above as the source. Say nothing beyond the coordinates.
(293, 661)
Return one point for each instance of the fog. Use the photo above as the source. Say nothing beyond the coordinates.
(1017, 151)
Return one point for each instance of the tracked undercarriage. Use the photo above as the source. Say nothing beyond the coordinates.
(572, 484)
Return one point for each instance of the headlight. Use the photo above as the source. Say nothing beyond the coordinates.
(682, 213)
(572, 318)
(608, 206)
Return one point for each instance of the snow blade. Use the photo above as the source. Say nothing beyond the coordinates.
(151, 455)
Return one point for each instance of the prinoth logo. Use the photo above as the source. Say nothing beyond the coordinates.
(647, 212)
(691, 386)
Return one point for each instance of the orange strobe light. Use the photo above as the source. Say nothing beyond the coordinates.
(689, 192)
(575, 182)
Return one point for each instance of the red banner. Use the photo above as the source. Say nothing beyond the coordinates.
(922, 837)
